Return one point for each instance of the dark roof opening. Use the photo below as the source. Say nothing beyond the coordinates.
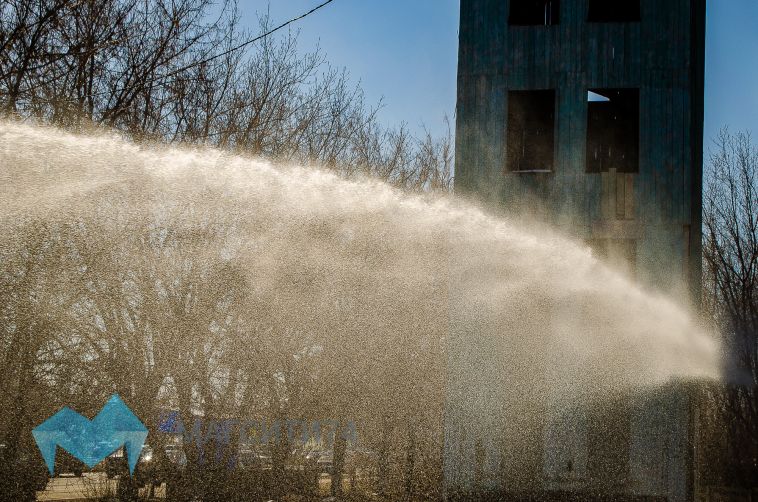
(615, 11)
(534, 12)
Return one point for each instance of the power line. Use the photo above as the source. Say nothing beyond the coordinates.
(215, 56)
(246, 43)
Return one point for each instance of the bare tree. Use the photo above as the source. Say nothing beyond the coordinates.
(142, 303)
(730, 252)
(170, 71)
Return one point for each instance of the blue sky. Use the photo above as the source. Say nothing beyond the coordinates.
(731, 67)
(405, 51)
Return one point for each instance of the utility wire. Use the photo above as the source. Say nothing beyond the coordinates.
(246, 43)
(222, 54)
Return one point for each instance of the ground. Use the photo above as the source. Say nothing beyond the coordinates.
(89, 486)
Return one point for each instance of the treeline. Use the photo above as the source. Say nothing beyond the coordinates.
(730, 302)
(117, 301)
(112, 300)
(166, 70)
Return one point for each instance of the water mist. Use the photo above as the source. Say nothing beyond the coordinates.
(365, 272)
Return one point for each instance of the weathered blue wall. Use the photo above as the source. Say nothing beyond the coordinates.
(659, 207)
(662, 56)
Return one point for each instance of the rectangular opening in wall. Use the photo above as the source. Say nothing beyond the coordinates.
(614, 11)
(531, 130)
(613, 130)
(534, 12)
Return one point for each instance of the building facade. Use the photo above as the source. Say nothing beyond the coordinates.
(587, 114)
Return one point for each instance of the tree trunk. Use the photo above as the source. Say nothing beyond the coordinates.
(384, 452)
(338, 461)
(410, 463)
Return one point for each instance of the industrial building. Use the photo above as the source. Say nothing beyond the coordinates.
(587, 114)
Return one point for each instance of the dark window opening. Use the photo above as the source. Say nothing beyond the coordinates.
(534, 12)
(531, 130)
(613, 130)
(614, 11)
